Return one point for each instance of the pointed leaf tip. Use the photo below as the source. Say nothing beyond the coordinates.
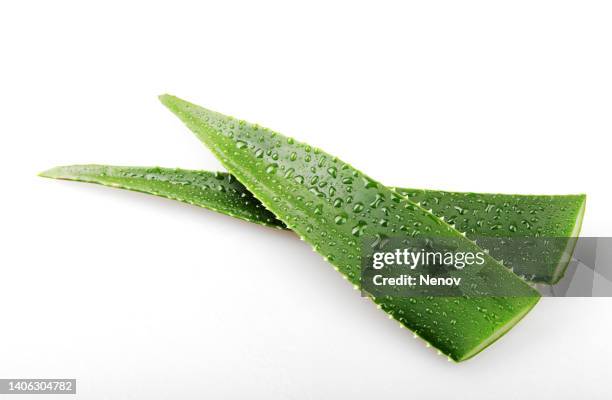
(50, 173)
(164, 97)
(69, 171)
(173, 102)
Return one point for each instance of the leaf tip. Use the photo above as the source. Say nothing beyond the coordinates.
(171, 101)
(164, 98)
(50, 173)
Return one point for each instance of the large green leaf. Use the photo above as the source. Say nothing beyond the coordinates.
(477, 214)
(334, 207)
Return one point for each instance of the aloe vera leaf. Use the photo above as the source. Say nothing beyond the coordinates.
(331, 205)
(216, 191)
(556, 219)
(476, 214)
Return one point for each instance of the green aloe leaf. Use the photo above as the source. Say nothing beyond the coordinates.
(476, 214)
(216, 191)
(334, 207)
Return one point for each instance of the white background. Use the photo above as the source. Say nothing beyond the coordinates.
(139, 297)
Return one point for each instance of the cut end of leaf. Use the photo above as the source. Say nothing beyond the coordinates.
(501, 331)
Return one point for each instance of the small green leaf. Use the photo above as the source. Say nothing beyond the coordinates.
(457, 327)
(216, 191)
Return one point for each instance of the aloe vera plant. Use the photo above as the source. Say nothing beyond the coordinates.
(477, 214)
(332, 206)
